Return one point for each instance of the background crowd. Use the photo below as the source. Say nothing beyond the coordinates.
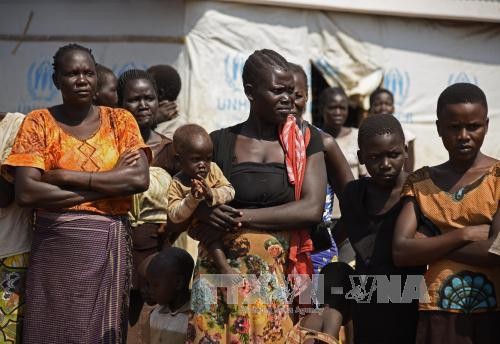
(109, 199)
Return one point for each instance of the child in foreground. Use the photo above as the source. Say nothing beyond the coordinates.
(200, 180)
(168, 277)
(370, 207)
(460, 197)
(324, 326)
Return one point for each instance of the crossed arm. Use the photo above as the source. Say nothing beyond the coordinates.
(57, 189)
(469, 244)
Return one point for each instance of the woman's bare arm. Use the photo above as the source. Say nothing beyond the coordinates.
(476, 253)
(31, 192)
(337, 168)
(410, 251)
(294, 215)
(130, 176)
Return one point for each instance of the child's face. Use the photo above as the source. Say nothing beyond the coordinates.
(335, 111)
(163, 286)
(462, 128)
(107, 95)
(384, 157)
(195, 161)
(382, 104)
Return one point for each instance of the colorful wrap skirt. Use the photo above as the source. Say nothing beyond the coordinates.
(12, 284)
(260, 311)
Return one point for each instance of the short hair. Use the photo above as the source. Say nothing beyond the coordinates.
(129, 75)
(66, 49)
(379, 125)
(168, 81)
(173, 258)
(378, 91)
(102, 71)
(259, 63)
(329, 93)
(184, 137)
(460, 93)
(295, 68)
(336, 275)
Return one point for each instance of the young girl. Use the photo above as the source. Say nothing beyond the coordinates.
(370, 208)
(382, 102)
(461, 198)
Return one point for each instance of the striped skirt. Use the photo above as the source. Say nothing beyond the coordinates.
(78, 279)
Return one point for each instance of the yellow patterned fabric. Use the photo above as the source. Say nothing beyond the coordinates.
(43, 144)
(12, 279)
(151, 206)
(453, 286)
(264, 317)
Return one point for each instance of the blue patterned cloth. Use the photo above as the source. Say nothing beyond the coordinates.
(321, 258)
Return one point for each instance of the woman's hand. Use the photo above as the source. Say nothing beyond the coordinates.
(476, 233)
(128, 158)
(167, 110)
(221, 218)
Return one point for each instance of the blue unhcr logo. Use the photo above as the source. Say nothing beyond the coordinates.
(39, 78)
(462, 77)
(233, 69)
(398, 82)
(119, 70)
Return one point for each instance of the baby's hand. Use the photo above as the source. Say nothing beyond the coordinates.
(196, 189)
(205, 189)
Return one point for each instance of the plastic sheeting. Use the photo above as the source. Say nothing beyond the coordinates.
(417, 59)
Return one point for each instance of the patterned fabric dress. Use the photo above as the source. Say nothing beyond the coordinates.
(464, 298)
(264, 318)
(80, 264)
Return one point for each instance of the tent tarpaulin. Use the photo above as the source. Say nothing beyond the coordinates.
(418, 58)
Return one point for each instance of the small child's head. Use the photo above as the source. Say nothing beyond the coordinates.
(194, 149)
(382, 148)
(381, 102)
(169, 274)
(301, 91)
(167, 80)
(336, 285)
(144, 287)
(106, 87)
(462, 120)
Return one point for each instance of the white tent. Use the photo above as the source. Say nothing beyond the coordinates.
(415, 58)
(413, 48)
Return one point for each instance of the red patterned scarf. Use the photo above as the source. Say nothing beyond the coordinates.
(294, 143)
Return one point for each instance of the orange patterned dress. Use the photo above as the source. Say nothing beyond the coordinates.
(78, 280)
(43, 144)
(456, 287)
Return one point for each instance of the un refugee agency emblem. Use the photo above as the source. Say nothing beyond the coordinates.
(455, 78)
(398, 82)
(233, 69)
(39, 81)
